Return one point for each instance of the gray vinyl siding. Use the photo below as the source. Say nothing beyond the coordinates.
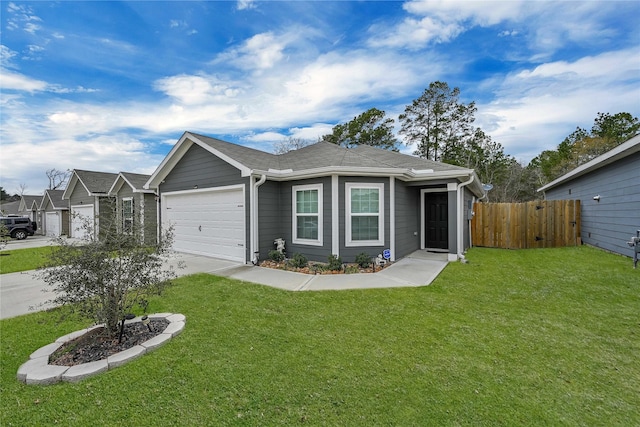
(313, 253)
(468, 207)
(407, 219)
(79, 196)
(142, 203)
(452, 206)
(270, 223)
(150, 217)
(200, 168)
(610, 223)
(348, 254)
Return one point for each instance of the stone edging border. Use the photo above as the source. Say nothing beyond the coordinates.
(38, 371)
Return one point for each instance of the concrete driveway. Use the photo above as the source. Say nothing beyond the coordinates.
(21, 293)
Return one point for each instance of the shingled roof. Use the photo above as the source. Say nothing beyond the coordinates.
(318, 159)
(322, 155)
(55, 198)
(95, 183)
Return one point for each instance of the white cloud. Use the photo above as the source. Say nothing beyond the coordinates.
(260, 52)
(533, 107)
(245, 4)
(16, 81)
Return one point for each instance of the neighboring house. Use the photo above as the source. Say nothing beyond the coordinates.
(30, 207)
(608, 188)
(10, 208)
(229, 201)
(136, 206)
(55, 214)
(89, 200)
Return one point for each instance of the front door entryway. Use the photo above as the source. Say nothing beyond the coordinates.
(436, 221)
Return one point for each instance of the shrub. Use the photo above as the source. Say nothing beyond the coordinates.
(335, 263)
(298, 261)
(363, 259)
(105, 277)
(276, 256)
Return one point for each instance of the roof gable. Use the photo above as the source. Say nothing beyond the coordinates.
(135, 181)
(95, 183)
(54, 198)
(29, 202)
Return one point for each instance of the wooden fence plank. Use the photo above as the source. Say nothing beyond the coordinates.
(538, 224)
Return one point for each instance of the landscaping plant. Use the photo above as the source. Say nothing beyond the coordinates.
(104, 277)
(363, 259)
(276, 256)
(335, 263)
(298, 261)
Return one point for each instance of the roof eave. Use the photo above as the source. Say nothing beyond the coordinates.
(621, 151)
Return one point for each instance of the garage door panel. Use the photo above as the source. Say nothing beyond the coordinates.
(52, 224)
(208, 223)
(79, 214)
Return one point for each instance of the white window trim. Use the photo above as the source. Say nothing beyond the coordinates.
(365, 185)
(133, 213)
(294, 220)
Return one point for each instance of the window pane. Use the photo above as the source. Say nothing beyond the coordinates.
(364, 228)
(364, 200)
(307, 201)
(307, 227)
(127, 207)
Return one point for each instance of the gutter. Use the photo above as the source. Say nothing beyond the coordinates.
(459, 210)
(254, 236)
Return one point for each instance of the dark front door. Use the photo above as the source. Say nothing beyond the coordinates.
(436, 221)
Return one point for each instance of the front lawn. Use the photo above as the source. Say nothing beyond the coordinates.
(12, 261)
(530, 337)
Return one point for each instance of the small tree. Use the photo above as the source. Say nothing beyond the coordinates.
(105, 276)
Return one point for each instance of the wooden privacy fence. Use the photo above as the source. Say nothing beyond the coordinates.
(541, 224)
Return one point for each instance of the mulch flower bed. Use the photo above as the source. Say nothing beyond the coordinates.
(321, 268)
(94, 345)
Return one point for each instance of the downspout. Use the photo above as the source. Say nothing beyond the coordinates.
(255, 239)
(460, 235)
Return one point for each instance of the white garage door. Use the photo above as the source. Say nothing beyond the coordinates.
(52, 224)
(207, 222)
(79, 216)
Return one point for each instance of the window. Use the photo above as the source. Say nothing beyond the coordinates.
(364, 214)
(127, 215)
(307, 214)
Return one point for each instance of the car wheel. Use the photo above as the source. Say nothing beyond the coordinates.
(20, 235)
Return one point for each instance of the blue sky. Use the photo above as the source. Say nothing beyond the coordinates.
(111, 86)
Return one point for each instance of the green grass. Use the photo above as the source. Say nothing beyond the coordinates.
(13, 261)
(532, 337)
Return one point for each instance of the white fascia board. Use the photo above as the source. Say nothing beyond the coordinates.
(621, 151)
(117, 185)
(70, 186)
(400, 173)
(244, 170)
(169, 162)
(178, 151)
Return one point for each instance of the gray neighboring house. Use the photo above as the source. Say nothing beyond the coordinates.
(88, 196)
(608, 188)
(136, 205)
(55, 214)
(30, 207)
(10, 208)
(229, 201)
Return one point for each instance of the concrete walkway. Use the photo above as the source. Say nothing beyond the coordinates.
(22, 293)
(417, 269)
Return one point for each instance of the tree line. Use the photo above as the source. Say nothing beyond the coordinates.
(442, 129)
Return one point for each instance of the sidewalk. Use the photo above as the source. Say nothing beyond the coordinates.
(417, 269)
(21, 291)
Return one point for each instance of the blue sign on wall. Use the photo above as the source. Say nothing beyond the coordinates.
(386, 254)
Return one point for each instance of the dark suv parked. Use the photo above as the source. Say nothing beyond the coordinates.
(17, 227)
